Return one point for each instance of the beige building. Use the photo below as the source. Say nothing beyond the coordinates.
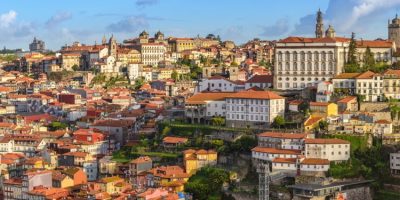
(68, 60)
(181, 44)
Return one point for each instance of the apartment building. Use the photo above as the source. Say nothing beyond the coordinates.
(331, 149)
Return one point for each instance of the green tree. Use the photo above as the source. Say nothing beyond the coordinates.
(75, 67)
(53, 126)
(352, 64)
(360, 99)
(323, 125)
(352, 54)
(279, 121)
(139, 82)
(369, 60)
(174, 75)
(218, 121)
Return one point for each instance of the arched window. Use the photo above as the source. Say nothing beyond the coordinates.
(316, 66)
(295, 66)
(295, 56)
(309, 55)
(303, 66)
(279, 56)
(323, 66)
(287, 55)
(287, 66)
(309, 66)
(323, 56)
(302, 56)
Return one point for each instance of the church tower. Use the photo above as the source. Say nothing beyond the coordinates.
(112, 47)
(394, 30)
(104, 40)
(319, 27)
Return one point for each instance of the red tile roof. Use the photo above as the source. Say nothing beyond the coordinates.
(347, 99)
(261, 79)
(174, 140)
(284, 160)
(283, 135)
(315, 161)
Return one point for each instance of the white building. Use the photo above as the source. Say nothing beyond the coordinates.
(324, 91)
(331, 149)
(201, 107)
(253, 108)
(395, 163)
(269, 154)
(301, 62)
(152, 53)
(133, 72)
(261, 81)
(282, 140)
(219, 83)
(368, 84)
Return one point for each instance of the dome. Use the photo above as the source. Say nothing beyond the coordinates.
(144, 33)
(396, 20)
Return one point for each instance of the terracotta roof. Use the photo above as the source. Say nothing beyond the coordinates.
(284, 160)
(315, 161)
(174, 140)
(251, 94)
(374, 43)
(319, 103)
(261, 79)
(326, 141)
(202, 98)
(347, 99)
(383, 121)
(346, 76)
(283, 135)
(392, 72)
(312, 120)
(76, 154)
(366, 75)
(295, 102)
(313, 40)
(276, 151)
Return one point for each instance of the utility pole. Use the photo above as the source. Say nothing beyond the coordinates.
(263, 181)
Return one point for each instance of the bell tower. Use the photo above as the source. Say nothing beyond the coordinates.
(394, 30)
(319, 27)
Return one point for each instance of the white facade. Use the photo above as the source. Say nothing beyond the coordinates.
(253, 109)
(218, 84)
(395, 163)
(133, 71)
(153, 53)
(302, 64)
(268, 154)
(339, 150)
(215, 108)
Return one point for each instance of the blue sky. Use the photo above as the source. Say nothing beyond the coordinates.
(65, 21)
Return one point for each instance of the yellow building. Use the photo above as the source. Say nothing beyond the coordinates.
(69, 60)
(323, 109)
(171, 178)
(196, 159)
(129, 56)
(181, 44)
(61, 180)
(165, 74)
(111, 185)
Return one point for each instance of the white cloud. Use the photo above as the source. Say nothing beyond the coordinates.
(7, 19)
(58, 18)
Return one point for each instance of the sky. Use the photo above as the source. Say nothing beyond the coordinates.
(65, 21)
